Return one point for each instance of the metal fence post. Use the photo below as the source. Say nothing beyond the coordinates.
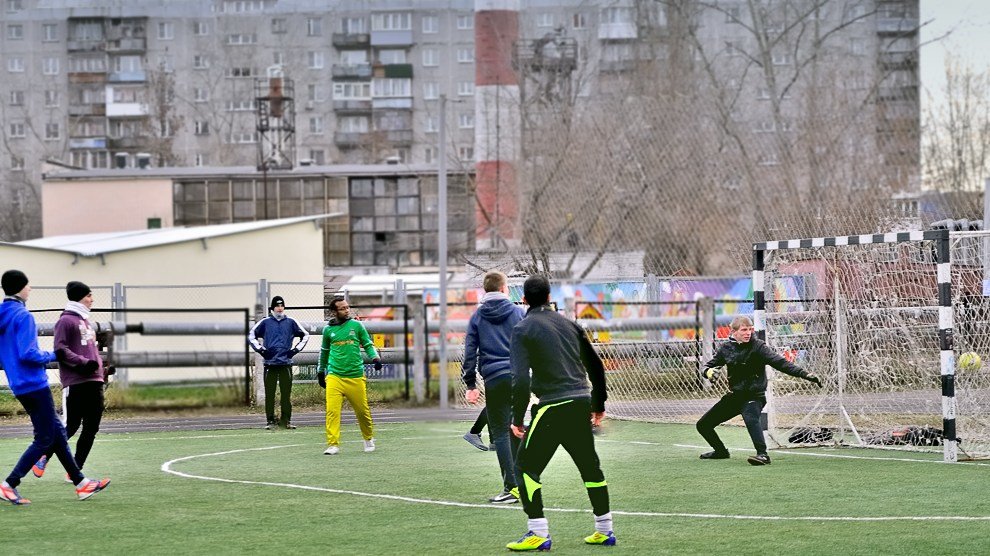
(120, 340)
(258, 376)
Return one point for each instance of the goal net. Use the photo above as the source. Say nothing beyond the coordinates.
(873, 316)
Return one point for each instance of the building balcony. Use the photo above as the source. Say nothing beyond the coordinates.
(399, 136)
(87, 143)
(352, 105)
(351, 40)
(127, 77)
(617, 31)
(128, 142)
(392, 38)
(85, 45)
(126, 109)
(358, 71)
(615, 66)
(397, 71)
(87, 110)
(898, 60)
(350, 138)
(400, 103)
(897, 26)
(127, 45)
(87, 77)
(886, 94)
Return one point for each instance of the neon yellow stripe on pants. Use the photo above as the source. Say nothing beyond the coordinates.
(356, 392)
(539, 413)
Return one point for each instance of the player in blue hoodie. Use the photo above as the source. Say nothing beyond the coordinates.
(486, 350)
(25, 364)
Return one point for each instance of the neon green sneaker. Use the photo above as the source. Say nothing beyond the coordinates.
(604, 539)
(530, 541)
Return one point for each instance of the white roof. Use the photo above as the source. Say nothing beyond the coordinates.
(375, 284)
(94, 245)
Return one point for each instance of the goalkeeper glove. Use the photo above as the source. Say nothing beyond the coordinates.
(708, 373)
(378, 363)
(815, 380)
(90, 367)
(322, 379)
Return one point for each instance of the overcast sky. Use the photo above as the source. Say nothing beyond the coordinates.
(968, 25)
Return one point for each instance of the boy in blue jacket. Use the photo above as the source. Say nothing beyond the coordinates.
(486, 350)
(25, 364)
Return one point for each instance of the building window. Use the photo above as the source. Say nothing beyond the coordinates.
(465, 55)
(318, 157)
(465, 88)
(617, 15)
(201, 94)
(200, 62)
(466, 154)
(154, 223)
(166, 30)
(15, 64)
(431, 90)
(353, 124)
(731, 14)
(49, 66)
(315, 59)
(52, 132)
(278, 58)
(431, 24)
(127, 64)
(241, 72)
(763, 93)
(51, 98)
(237, 39)
(278, 26)
(352, 91)
(432, 124)
(18, 130)
(201, 127)
(392, 56)
(430, 155)
(316, 125)
(49, 32)
(392, 87)
(465, 22)
(165, 63)
(465, 120)
(314, 26)
(391, 22)
(15, 5)
(579, 20)
(201, 159)
(17, 98)
(781, 59)
(15, 32)
(201, 28)
(544, 20)
(312, 93)
(431, 57)
(16, 163)
(353, 25)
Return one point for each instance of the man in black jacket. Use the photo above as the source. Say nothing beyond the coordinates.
(746, 359)
(562, 360)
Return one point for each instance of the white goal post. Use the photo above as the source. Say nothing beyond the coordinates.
(873, 316)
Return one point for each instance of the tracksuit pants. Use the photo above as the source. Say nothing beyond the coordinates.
(498, 405)
(278, 376)
(564, 423)
(356, 392)
(749, 405)
(84, 405)
(48, 431)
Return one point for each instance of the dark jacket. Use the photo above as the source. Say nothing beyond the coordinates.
(77, 340)
(22, 360)
(486, 346)
(278, 335)
(562, 360)
(746, 365)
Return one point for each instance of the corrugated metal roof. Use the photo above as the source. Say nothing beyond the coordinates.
(250, 171)
(94, 245)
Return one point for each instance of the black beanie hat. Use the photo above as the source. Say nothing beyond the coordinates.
(75, 291)
(276, 301)
(13, 282)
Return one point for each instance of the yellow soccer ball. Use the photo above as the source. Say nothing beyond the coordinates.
(969, 361)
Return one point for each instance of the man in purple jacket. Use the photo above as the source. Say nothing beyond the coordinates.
(24, 364)
(81, 371)
(486, 351)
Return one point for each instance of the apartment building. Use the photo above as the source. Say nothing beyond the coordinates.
(100, 84)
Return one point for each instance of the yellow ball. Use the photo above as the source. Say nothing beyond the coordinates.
(970, 361)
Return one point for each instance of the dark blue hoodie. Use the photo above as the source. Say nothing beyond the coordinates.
(22, 360)
(486, 347)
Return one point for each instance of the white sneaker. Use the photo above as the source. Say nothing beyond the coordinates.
(369, 445)
(331, 450)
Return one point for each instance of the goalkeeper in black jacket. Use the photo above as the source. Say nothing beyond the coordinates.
(746, 358)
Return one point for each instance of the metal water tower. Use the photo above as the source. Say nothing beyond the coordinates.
(276, 121)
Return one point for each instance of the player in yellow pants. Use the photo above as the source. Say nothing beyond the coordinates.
(341, 372)
(356, 392)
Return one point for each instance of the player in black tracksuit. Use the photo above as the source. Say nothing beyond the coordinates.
(562, 360)
(746, 359)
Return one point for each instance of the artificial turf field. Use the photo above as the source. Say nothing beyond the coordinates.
(425, 490)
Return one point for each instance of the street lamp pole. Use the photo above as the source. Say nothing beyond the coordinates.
(442, 247)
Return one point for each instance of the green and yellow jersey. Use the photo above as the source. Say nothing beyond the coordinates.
(341, 351)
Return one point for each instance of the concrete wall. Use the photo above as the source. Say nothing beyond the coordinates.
(84, 207)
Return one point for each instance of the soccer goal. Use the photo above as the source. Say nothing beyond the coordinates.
(882, 319)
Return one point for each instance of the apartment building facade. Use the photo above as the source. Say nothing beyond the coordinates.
(111, 83)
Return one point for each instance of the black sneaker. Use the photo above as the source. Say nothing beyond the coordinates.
(715, 455)
(290, 426)
(271, 426)
(476, 441)
(759, 459)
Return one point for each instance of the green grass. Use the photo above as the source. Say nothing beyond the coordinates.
(146, 510)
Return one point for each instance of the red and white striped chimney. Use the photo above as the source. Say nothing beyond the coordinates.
(497, 123)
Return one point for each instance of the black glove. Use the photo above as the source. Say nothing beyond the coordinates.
(90, 367)
(322, 379)
(377, 363)
(814, 379)
(110, 369)
(263, 352)
(60, 355)
(293, 352)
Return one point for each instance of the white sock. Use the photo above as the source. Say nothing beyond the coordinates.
(603, 523)
(539, 526)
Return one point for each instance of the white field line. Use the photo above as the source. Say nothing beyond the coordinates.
(167, 468)
(836, 456)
